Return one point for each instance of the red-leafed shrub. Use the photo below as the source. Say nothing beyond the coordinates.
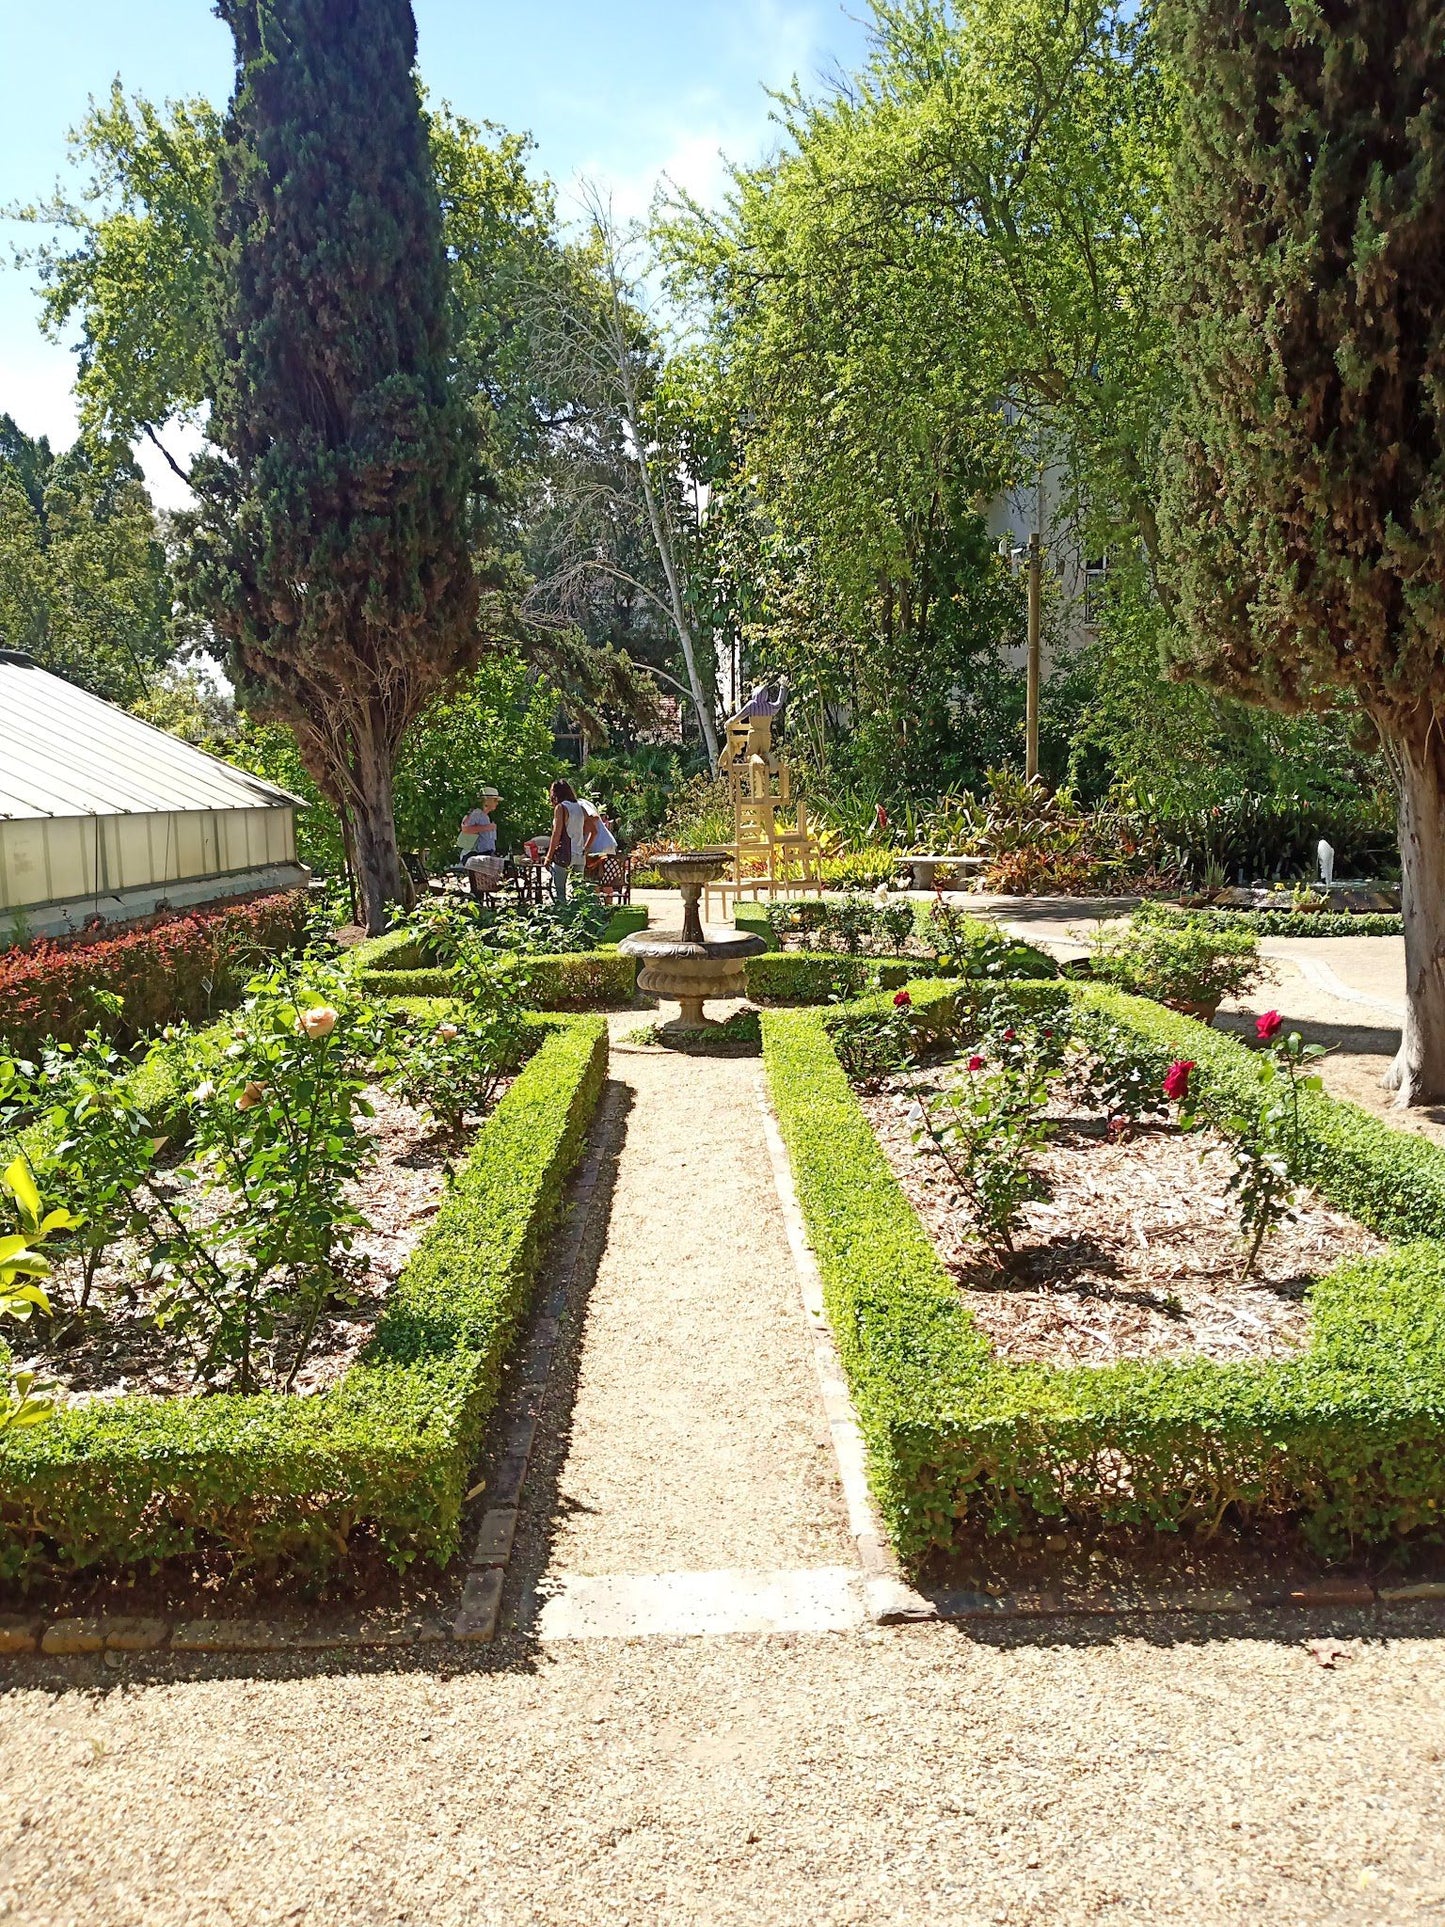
(183, 968)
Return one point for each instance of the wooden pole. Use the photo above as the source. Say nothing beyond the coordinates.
(1031, 747)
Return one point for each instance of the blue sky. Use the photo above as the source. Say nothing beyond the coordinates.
(617, 90)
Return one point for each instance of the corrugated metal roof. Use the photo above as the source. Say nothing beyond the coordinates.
(64, 752)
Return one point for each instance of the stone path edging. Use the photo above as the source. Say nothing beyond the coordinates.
(891, 1600)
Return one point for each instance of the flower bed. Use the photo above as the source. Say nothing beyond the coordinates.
(182, 970)
(388, 1448)
(1345, 1438)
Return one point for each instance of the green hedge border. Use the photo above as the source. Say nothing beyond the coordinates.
(1348, 1438)
(601, 979)
(1289, 923)
(390, 1445)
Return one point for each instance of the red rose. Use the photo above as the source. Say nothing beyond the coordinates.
(975, 1063)
(1176, 1079)
(901, 1000)
(1267, 1026)
(1009, 1036)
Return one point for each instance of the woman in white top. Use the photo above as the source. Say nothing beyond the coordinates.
(574, 828)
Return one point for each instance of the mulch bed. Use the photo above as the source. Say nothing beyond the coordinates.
(1135, 1250)
(115, 1349)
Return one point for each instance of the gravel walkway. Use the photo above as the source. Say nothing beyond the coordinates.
(698, 1435)
(924, 1775)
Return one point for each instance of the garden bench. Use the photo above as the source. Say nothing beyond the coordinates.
(925, 869)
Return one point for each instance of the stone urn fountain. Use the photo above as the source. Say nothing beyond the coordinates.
(700, 963)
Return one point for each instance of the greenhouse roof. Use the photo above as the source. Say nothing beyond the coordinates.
(64, 752)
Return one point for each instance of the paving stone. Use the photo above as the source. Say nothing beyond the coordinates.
(506, 1487)
(520, 1435)
(624, 1605)
(74, 1636)
(19, 1635)
(129, 1635)
(1333, 1592)
(481, 1604)
(232, 1636)
(494, 1540)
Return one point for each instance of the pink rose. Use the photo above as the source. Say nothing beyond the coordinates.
(1267, 1027)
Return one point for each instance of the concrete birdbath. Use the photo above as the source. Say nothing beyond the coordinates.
(699, 963)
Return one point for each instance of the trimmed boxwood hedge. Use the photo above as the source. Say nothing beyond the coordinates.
(393, 966)
(1290, 923)
(1348, 1438)
(390, 1446)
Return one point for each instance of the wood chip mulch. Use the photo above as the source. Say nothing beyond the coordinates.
(1135, 1250)
(115, 1349)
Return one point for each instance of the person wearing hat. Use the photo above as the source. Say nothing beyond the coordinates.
(478, 832)
(477, 846)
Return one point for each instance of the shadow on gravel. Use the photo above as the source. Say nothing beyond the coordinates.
(1278, 1626)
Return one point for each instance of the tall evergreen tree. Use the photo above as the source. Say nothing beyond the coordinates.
(331, 550)
(1308, 501)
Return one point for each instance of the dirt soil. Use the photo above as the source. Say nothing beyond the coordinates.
(1134, 1251)
(115, 1349)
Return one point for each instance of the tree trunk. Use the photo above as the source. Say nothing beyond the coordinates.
(373, 831)
(1417, 1075)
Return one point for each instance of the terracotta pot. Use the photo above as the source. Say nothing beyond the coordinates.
(1204, 1012)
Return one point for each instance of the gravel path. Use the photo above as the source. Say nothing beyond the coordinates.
(923, 1775)
(698, 1434)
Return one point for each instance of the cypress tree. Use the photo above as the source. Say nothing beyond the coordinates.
(331, 549)
(1306, 503)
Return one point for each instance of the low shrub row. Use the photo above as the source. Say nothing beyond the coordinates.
(181, 970)
(388, 1449)
(578, 980)
(1288, 923)
(1346, 1438)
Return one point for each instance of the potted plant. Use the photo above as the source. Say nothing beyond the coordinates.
(1190, 967)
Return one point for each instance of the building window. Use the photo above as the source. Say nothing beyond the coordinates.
(1096, 577)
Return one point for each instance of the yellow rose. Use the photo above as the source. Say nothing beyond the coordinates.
(319, 1022)
(250, 1097)
(447, 1032)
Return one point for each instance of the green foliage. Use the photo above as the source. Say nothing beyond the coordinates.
(803, 977)
(1309, 446)
(977, 214)
(1346, 1438)
(84, 581)
(454, 1065)
(257, 1250)
(634, 789)
(1284, 923)
(26, 1227)
(1268, 1145)
(341, 459)
(389, 1450)
(1192, 963)
(496, 729)
(987, 1129)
